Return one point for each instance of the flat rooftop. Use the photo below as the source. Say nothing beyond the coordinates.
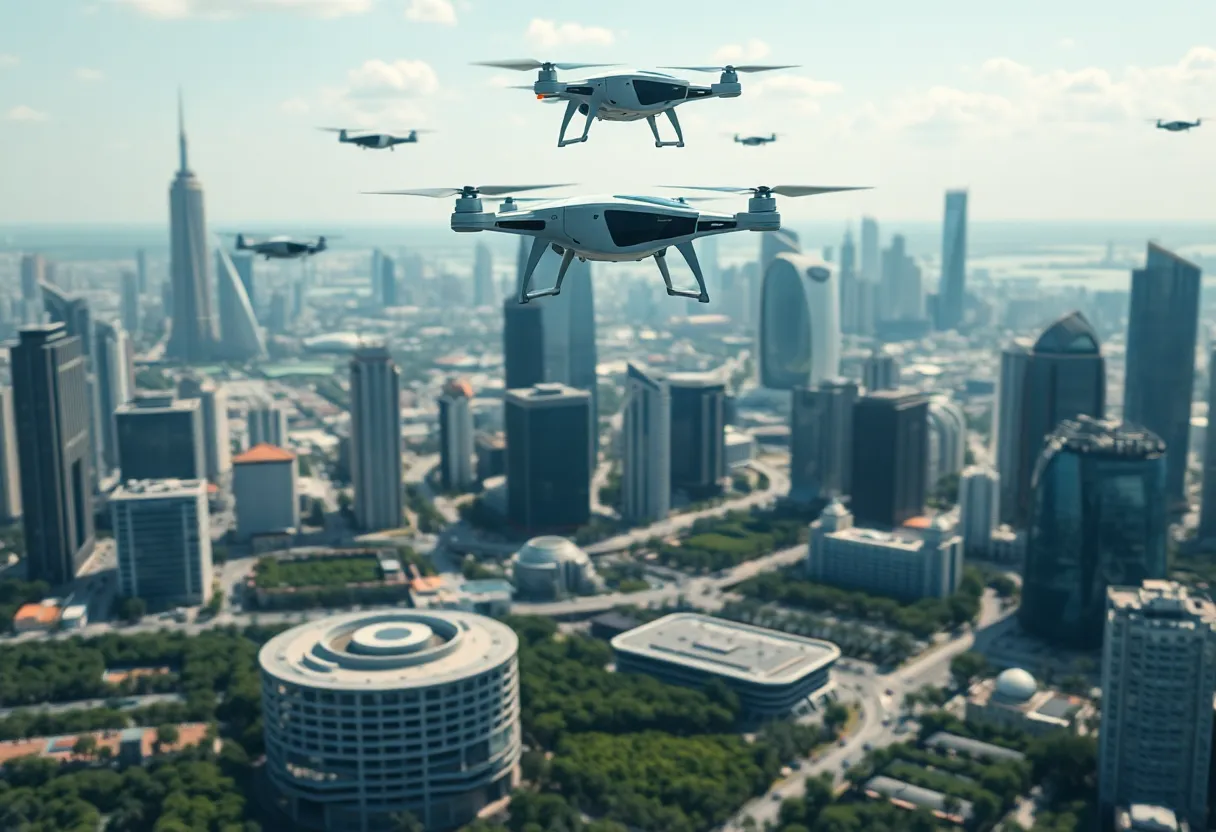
(728, 648)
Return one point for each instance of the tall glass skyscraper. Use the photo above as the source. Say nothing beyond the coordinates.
(1098, 520)
(799, 322)
(952, 288)
(1163, 323)
(193, 332)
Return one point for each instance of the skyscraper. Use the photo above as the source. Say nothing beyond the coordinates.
(947, 440)
(880, 371)
(162, 532)
(1207, 513)
(193, 327)
(240, 337)
(130, 303)
(849, 278)
(523, 347)
(217, 446)
(1163, 323)
(375, 435)
(33, 275)
(113, 360)
(698, 433)
(73, 312)
(483, 276)
(583, 357)
(901, 296)
(1158, 678)
(51, 410)
(141, 271)
(952, 288)
(979, 505)
(799, 330)
(244, 261)
(1007, 428)
(160, 438)
(548, 457)
(266, 423)
(1098, 519)
(646, 436)
(890, 455)
(773, 243)
(821, 440)
(386, 285)
(456, 435)
(871, 262)
(10, 467)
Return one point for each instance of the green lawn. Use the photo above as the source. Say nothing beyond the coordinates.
(274, 574)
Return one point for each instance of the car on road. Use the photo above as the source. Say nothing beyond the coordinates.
(843, 742)
(867, 747)
(777, 796)
(886, 721)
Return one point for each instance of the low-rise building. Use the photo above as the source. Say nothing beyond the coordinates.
(909, 564)
(74, 617)
(1140, 817)
(37, 618)
(1013, 701)
(774, 674)
(266, 488)
(551, 567)
(448, 592)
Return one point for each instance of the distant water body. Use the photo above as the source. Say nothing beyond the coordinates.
(985, 239)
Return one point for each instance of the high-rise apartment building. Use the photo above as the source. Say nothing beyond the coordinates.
(162, 533)
(1158, 679)
(114, 367)
(456, 436)
(646, 436)
(1098, 519)
(979, 509)
(375, 434)
(523, 335)
(51, 412)
(161, 438)
(217, 442)
(130, 303)
(193, 326)
(951, 293)
(10, 466)
(549, 470)
(821, 440)
(698, 433)
(799, 322)
(890, 456)
(1007, 428)
(880, 371)
(1207, 512)
(483, 276)
(266, 423)
(1163, 322)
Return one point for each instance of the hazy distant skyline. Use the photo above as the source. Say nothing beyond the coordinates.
(1041, 109)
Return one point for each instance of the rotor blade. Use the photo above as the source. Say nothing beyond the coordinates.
(725, 190)
(741, 68)
(696, 68)
(503, 190)
(345, 129)
(764, 67)
(813, 190)
(526, 64)
(433, 193)
(488, 190)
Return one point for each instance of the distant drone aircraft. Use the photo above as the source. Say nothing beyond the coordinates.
(1178, 126)
(755, 141)
(281, 248)
(370, 140)
(612, 229)
(629, 96)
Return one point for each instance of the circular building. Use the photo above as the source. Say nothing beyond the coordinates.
(368, 715)
(551, 567)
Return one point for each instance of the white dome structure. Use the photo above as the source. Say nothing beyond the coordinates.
(1015, 686)
(551, 567)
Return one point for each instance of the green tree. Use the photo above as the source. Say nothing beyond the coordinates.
(316, 514)
(967, 666)
(406, 822)
(86, 746)
(166, 735)
(132, 610)
(835, 717)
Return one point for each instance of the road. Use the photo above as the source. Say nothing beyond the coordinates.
(129, 703)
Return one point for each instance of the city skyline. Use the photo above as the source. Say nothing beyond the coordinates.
(1062, 104)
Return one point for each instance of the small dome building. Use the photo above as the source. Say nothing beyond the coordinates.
(550, 567)
(1014, 701)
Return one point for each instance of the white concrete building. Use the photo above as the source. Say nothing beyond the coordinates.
(10, 467)
(456, 436)
(979, 502)
(266, 490)
(1158, 680)
(947, 440)
(369, 715)
(551, 567)
(162, 533)
(646, 436)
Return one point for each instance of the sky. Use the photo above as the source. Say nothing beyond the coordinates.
(1041, 108)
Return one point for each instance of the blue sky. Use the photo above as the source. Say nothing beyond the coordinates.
(1038, 107)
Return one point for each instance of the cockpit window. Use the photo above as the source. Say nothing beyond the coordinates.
(632, 228)
(656, 92)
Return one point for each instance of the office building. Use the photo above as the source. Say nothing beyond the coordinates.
(266, 423)
(947, 440)
(698, 433)
(130, 303)
(277, 318)
(880, 371)
(243, 262)
(162, 534)
(646, 436)
(375, 434)
(193, 332)
(523, 348)
(160, 438)
(549, 567)
(1064, 377)
(386, 285)
(240, 337)
(582, 360)
(951, 293)
(1158, 678)
(70, 310)
(266, 490)
(890, 457)
(51, 415)
(33, 275)
(217, 442)
(456, 436)
(799, 322)
(821, 440)
(905, 565)
(1163, 321)
(114, 372)
(141, 271)
(483, 276)
(548, 458)
(10, 466)
(426, 702)
(1007, 426)
(902, 296)
(773, 243)
(1207, 512)
(849, 286)
(979, 501)
(871, 259)
(1098, 519)
(774, 674)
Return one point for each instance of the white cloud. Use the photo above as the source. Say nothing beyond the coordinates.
(1011, 97)
(295, 106)
(8, 60)
(25, 113)
(734, 53)
(377, 94)
(432, 11)
(1066, 43)
(228, 9)
(502, 81)
(547, 34)
(796, 89)
(89, 75)
(395, 79)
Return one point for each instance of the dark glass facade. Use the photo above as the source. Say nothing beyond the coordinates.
(548, 459)
(1098, 520)
(523, 335)
(890, 458)
(161, 443)
(698, 435)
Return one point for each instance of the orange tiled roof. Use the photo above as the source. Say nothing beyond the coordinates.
(264, 452)
(37, 612)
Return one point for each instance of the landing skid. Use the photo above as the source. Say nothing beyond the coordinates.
(675, 123)
(593, 108)
(538, 251)
(690, 257)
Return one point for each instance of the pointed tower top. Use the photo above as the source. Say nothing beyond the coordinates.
(183, 167)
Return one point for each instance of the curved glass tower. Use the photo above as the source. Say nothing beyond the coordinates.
(799, 323)
(1098, 520)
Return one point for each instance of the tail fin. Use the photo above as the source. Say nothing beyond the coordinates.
(321, 244)
(342, 136)
(772, 137)
(241, 242)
